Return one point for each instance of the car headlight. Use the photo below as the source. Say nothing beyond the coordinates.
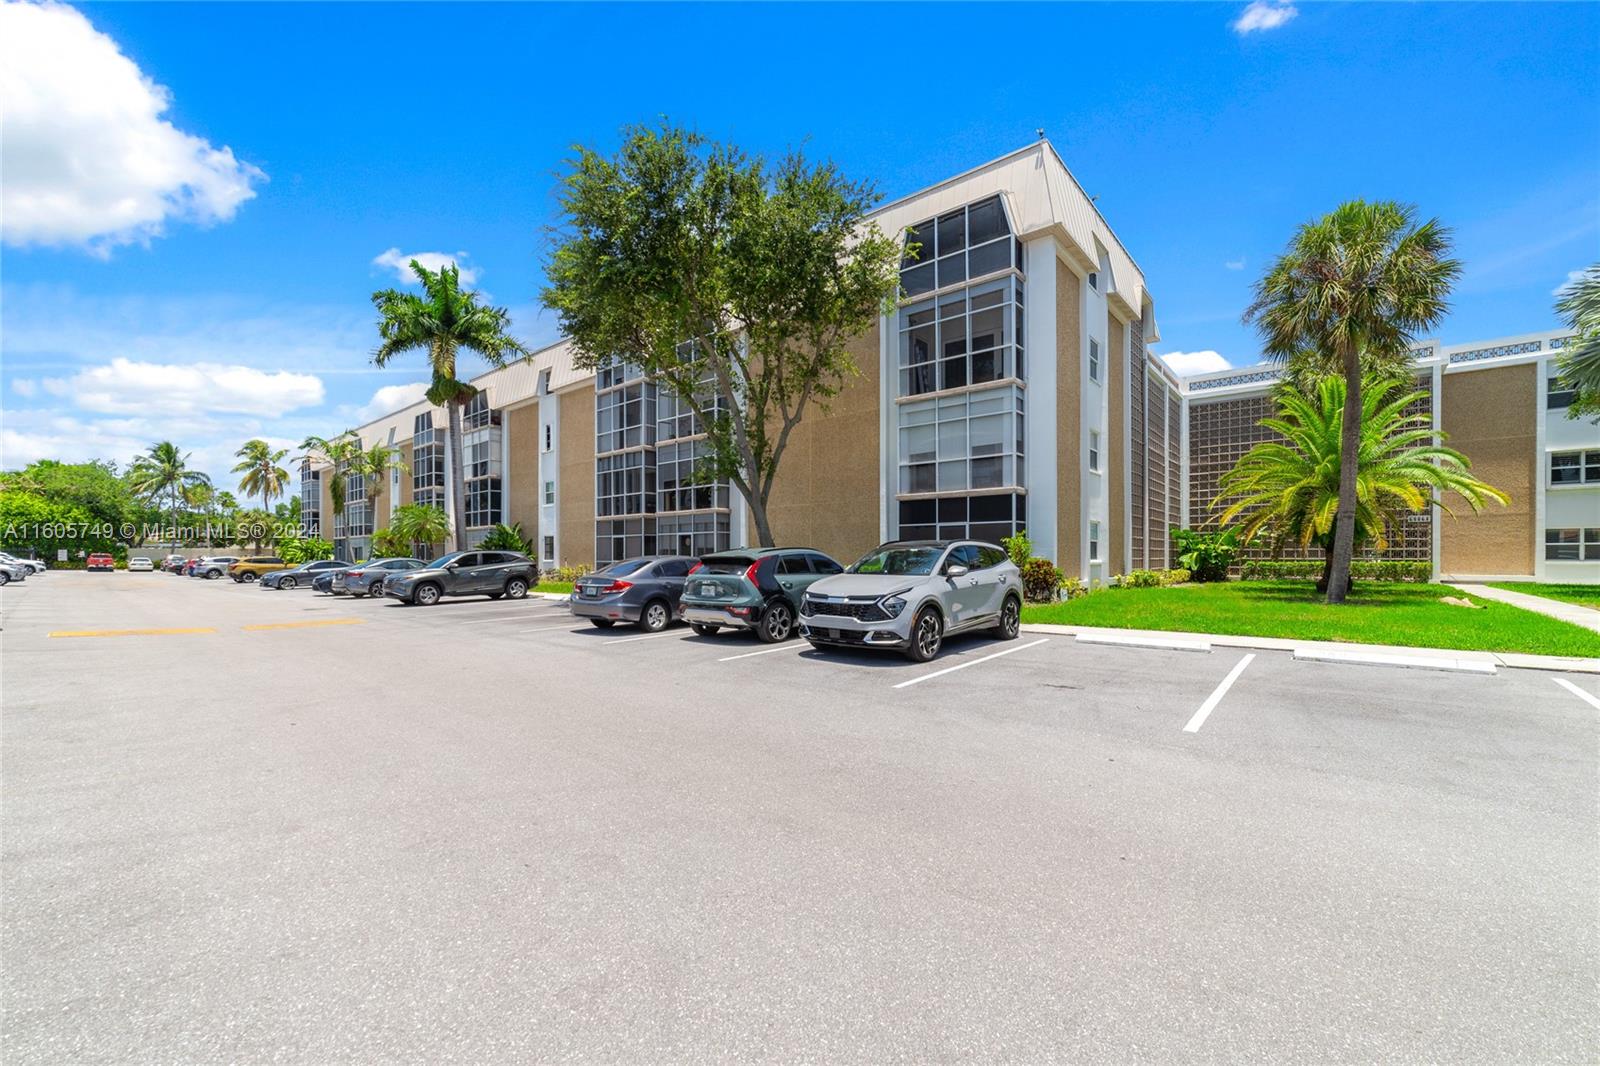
(894, 603)
(805, 605)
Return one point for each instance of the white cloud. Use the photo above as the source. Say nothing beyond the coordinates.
(400, 263)
(1235, 264)
(1572, 278)
(25, 387)
(126, 387)
(88, 159)
(1264, 15)
(390, 398)
(1186, 363)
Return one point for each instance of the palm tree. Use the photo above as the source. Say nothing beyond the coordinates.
(1291, 488)
(375, 464)
(339, 453)
(443, 321)
(258, 462)
(1580, 356)
(1348, 295)
(163, 471)
(420, 525)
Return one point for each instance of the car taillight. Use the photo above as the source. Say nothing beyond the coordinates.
(696, 567)
(616, 586)
(353, 573)
(750, 574)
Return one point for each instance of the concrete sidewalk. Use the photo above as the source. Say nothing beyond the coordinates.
(1586, 617)
(1447, 658)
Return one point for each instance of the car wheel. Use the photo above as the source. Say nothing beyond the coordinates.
(5, 578)
(601, 623)
(426, 595)
(777, 623)
(703, 630)
(249, 577)
(655, 616)
(288, 583)
(516, 588)
(212, 575)
(927, 633)
(1010, 624)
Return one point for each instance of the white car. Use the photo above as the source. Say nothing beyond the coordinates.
(140, 562)
(29, 566)
(10, 572)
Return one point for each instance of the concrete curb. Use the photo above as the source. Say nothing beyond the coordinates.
(1165, 643)
(1412, 662)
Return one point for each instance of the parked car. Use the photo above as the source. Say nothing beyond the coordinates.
(756, 589)
(29, 566)
(645, 591)
(210, 567)
(469, 573)
(10, 572)
(323, 582)
(100, 561)
(299, 576)
(173, 564)
(252, 567)
(910, 595)
(140, 563)
(367, 578)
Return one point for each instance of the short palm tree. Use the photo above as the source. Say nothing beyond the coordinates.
(420, 525)
(340, 453)
(375, 464)
(163, 473)
(1348, 296)
(1290, 489)
(1580, 356)
(263, 476)
(441, 322)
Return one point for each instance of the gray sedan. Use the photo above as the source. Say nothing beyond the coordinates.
(366, 579)
(644, 590)
(299, 577)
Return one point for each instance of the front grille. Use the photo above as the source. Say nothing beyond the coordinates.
(837, 636)
(861, 612)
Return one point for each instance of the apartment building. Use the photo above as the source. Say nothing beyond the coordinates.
(1012, 388)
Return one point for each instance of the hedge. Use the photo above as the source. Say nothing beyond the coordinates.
(1311, 570)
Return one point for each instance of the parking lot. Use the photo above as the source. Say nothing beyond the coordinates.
(247, 825)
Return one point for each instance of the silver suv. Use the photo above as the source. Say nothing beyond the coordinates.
(910, 595)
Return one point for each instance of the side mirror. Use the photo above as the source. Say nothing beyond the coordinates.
(451, 566)
(955, 570)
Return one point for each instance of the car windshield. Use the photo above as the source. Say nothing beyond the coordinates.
(624, 568)
(909, 561)
(440, 562)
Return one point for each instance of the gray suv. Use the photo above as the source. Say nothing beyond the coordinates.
(910, 595)
(644, 590)
(468, 573)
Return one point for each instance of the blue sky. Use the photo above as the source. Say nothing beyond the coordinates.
(226, 295)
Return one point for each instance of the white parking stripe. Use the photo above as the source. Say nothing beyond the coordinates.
(797, 646)
(1215, 698)
(975, 662)
(1578, 692)
(647, 636)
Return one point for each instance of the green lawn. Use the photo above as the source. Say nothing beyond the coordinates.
(553, 586)
(1582, 595)
(1375, 613)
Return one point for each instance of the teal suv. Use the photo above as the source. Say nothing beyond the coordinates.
(757, 589)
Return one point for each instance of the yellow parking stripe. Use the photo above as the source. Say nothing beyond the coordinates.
(307, 625)
(125, 632)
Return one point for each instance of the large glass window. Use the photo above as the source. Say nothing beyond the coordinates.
(956, 443)
(478, 414)
(989, 517)
(625, 484)
(625, 417)
(427, 462)
(964, 338)
(310, 499)
(969, 242)
(1571, 545)
(617, 539)
(483, 502)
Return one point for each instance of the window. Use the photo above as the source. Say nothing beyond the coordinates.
(1575, 468)
(793, 564)
(1094, 281)
(1094, 360)
(967, 441)
(1094, 542)
(1094, 451)
(821, 564)
(547, 436)
(1571, 545)
(483, 502)
(549, 492)
(625, 484)
(550, 548)
(673, 568)
(963, 338)
(478, 414)
(990, 556)
(625, 417)
(1558, 395)
(969, 242)
(990, 517)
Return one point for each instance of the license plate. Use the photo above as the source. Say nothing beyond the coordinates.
(591, 592)
(833, 634)
(708, 590)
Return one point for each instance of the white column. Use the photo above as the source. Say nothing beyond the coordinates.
(1039, 403)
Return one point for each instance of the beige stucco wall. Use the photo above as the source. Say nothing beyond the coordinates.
(406, 452)
(1490, 416)
(577, 475)
(826, 492)
(1069, 421)
(522, 470)
(1113, 548)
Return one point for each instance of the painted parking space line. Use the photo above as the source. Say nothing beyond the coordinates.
(798, 645)
(493, 618)
(313, 624)
(1591, 700)
(647, 636)
(129, 632)
(974, 662)
(1215, 698)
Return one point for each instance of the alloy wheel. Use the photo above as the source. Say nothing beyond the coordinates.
(655, 617)
(777, 623)
(928, 635)
(516, 588)
(288, 583)
(427, 595)
(1010, 620)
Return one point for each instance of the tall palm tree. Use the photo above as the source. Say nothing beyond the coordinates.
(1580, 357)
(375, 463)
(340, 454)
(1291, 488)
(258, 462)
(163, 472)
(441, 322)
(1352, 291)
(420, 525)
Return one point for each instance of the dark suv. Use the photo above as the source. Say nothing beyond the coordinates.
(756, 588)
(468, 573)
(643, 590)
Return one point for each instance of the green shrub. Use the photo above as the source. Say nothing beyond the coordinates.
(1040, 580)
(1072, 588)
(1206, 555)
(1019, 547)
(565, 575)
(1150, 579)
(1311, 570)
(504, 538)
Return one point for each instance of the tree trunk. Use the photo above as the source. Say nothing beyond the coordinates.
(458, 482)
(1344, 522)
(758, 515)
